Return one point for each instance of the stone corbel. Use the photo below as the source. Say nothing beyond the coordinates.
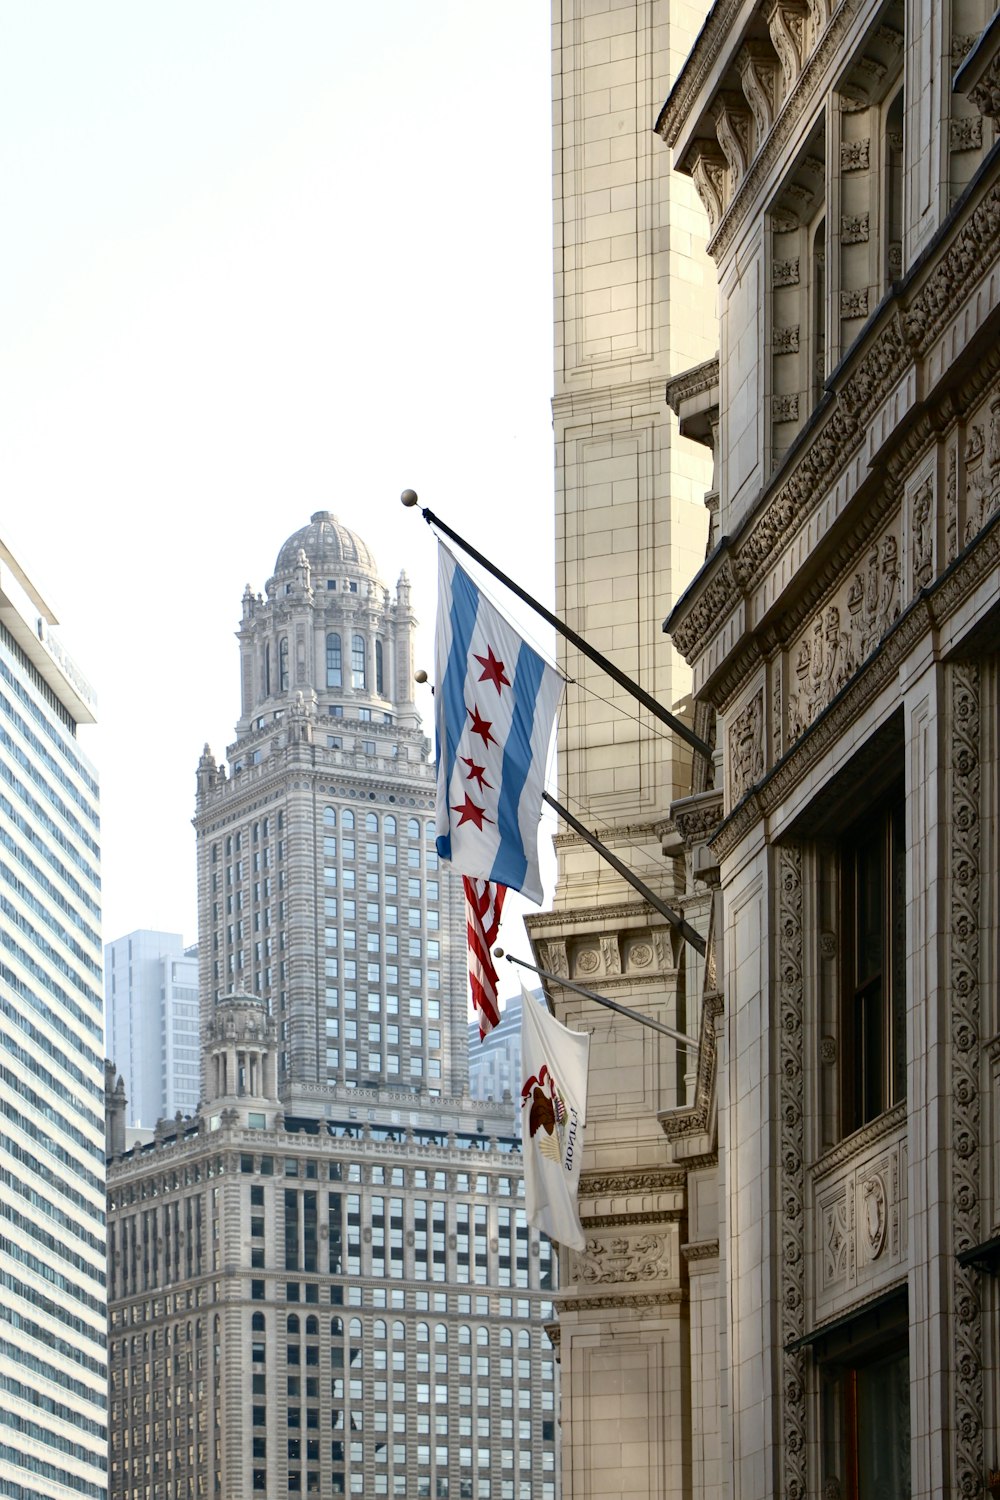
(708, 173)
(733, 129)
(758, 67)
(979, 76)
(786, 22)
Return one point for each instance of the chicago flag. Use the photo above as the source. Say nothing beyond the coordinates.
(494, 707)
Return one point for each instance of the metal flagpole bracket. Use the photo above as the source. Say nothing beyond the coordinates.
(682, 1039)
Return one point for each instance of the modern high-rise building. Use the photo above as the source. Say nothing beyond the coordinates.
(53, 1309)
(334, 1252)
(151, 1021)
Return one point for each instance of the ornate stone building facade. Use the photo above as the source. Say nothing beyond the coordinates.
(634, 300)
(324, 1282)
(843, 631)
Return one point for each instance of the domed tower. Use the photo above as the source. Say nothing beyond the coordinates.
(319, 889)
(326, 633)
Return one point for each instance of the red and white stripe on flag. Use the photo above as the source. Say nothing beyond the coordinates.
(483, 905)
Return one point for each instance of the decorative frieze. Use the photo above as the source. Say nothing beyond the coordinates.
(922, 536)
(626, 1258)
(965, 818)
(956, 272)
(859, 1218)
(791, 1195)
(843, 635)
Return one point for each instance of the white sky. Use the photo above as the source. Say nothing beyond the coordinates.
(258, 260)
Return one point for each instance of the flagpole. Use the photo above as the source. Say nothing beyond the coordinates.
(679, 924)
(681, 1037)
(409, 499)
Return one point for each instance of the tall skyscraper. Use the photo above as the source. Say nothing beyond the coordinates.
(53, 1367)
(335, 1249)
(151, 1016)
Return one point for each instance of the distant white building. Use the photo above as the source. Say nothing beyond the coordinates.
(151, 1021)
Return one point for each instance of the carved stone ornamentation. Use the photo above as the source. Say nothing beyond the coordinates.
(732, 129)
(587, 962)
(708, 173)
(873, 1215)
(836, 1241)
(986, 94)
(922, 536)
(951, 503)
(965, 133)
(854, 155)
(758, 69)
(854, 229)
(969, 1395)
(786, 340)
(854, 304)
(643, 1257)
(786, 23)
(785, 272)
(611, 954)
(640, 956)
(746, 748)
(957, 271)
(785, 408)
(792, 1190)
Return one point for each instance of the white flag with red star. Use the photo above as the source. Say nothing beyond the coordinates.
(495, 705)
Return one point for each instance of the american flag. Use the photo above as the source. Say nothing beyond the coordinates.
(483, 905)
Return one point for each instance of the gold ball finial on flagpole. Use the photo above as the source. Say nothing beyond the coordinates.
(420, 676)
(409, 498)
(498, 953)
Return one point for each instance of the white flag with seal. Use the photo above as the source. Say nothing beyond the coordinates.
(553, 1116)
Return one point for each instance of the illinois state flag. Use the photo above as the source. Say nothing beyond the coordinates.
(553, 1115)
(494, 707)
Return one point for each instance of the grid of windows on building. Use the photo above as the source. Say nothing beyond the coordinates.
(152, 1023)
(53, 1364)
(337, 1239)
(389, 1313)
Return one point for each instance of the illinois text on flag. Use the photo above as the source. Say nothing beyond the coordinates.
(494, 707)
(553, 1115)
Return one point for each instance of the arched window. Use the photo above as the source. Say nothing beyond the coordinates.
(482, 1335)
(312, 1328)
(423, 1333)
(283, 664)
(334, 661)
(329, 817)
(267, 669)
(292, 1325)
(379, 670)
(358, 679)
(390, 826)
(355, 1328)
(440, 1333)
(413, 828)
(398, 1333)
(347, 819)
(378, 1329)
(464, 1334)
(371, 823)
(257, 1323)
(336, 1327)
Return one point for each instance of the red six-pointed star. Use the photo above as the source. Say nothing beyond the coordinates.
(494, 670)
(481, 726)
(470, 813)
(475, 773)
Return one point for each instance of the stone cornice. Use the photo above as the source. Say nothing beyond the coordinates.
(598, 1184)
(708, 47)
(615, 1221)
(861, 1141)
(704, 1250)
(902, 328)
(568, 1303)
(690, 383)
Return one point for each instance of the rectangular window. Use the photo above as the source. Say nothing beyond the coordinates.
(874, 1004)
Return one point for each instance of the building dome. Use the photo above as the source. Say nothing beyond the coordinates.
(327, 544)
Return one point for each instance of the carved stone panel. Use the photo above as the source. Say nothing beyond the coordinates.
(859, 1217)
(843, 634)
(746, 748)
